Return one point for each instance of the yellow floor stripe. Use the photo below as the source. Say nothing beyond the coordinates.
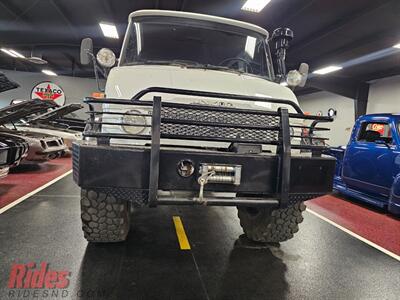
(180, 233)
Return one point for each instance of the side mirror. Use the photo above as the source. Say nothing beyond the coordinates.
(382, 142)
(304, 69)
(86, 51)
(298, 77)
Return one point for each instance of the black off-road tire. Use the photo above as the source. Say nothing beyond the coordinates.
(105, 219)
(271, 225)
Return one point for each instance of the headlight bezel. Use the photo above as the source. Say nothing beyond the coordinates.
(138, 121)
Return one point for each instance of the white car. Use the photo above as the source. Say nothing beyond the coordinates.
(42, 146)
(49, 123)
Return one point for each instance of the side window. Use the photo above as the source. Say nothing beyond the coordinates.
(371, 132)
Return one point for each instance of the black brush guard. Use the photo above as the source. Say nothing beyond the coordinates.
(211, 123)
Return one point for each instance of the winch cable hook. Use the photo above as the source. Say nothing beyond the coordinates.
(203, 179)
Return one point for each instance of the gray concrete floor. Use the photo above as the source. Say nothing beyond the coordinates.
(321, 262)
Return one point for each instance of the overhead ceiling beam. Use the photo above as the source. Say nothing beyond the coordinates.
(358, 91)
(296, 11)
(341, 86)
(306, 91)
(110, 10)
(10, 10)
(20, 13)
(356, 44)
(382, 74)
(361, 100)
(335, 26)
(65, 18)
(180, 5)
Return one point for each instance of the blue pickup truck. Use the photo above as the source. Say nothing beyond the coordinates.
(368, 168)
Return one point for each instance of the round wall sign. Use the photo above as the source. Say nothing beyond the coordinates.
(48, 91)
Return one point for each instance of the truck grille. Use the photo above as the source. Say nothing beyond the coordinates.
(221, 133)
(223, 116)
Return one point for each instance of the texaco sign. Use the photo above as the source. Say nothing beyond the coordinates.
(48, 91)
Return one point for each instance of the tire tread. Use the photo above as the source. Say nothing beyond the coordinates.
(104, 218)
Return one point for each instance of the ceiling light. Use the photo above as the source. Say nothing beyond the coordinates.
(8, 52)
(48, 72)
(17, 53)
(397, 46)
(109, 30)
(255, 5)
(327, 70)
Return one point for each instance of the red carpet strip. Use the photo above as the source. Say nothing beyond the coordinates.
(27, 178)
(373, 225)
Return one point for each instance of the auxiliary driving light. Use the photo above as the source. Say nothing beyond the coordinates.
(106, 58)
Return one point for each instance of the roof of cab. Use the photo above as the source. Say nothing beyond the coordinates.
(180, 14)
(377, 116)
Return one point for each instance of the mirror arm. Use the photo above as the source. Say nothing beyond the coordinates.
(97, 69)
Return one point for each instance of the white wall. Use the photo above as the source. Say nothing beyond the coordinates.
(384, 96)
(343, 123)
(75, 88)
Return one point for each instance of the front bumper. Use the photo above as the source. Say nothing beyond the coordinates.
(265, 179)
(127, 168)
(38, 153)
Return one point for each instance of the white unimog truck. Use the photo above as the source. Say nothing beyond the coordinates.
(194, 113)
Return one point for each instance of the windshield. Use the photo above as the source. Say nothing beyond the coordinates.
(196, 44)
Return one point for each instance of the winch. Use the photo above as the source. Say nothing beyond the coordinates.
(218, 173)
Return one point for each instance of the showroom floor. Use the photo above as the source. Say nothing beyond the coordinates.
(320, 262)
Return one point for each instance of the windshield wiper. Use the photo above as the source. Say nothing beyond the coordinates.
(184, 63)
(175, 62)
(214, 67)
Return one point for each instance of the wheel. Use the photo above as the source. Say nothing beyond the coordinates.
(105, 218)
(271, 225)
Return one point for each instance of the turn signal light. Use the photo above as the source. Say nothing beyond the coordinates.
(98, 95)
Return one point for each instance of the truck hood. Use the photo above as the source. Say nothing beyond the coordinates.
(6, 84)
(56, 113)
(15, 112)
(125, 82)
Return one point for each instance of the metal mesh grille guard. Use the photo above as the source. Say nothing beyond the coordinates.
(205, 122)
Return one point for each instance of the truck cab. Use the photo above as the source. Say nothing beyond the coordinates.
(197, 52)
(368, 168)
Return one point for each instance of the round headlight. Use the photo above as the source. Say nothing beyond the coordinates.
(131, 118)
(106, 58)
(294, 78)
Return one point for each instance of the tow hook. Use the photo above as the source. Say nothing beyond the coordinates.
(217, 173)
(203, 180)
